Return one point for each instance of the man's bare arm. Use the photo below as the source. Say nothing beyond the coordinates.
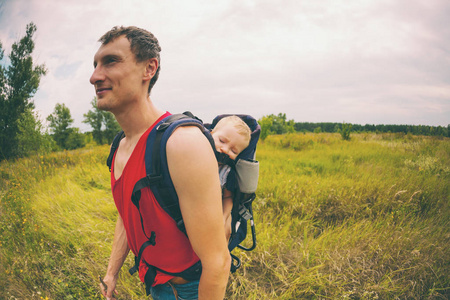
(119, 253)
(194, 172)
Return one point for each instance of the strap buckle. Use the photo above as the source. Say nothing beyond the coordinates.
(245, 213)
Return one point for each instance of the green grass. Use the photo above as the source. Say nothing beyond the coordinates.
(361, 219)
(57, 226)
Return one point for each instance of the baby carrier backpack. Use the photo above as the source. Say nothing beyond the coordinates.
(242, 182)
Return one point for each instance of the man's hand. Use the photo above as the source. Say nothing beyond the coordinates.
(107, 286)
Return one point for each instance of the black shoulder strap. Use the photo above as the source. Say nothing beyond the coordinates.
(114, 146)
(158, 176)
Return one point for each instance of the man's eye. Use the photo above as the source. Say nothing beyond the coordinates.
(110, 61)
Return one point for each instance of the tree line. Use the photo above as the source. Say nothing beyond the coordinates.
(278, 124)
(381, 128)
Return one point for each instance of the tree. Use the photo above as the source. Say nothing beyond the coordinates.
(18, 84)
(31, 136)
(98, 120)
(345, 131)
(94, 118)
(111, 126)
(266, 123)
(60, 122)
(75, 139)
(273, 124)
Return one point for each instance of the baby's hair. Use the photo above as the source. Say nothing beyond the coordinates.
(241, 127)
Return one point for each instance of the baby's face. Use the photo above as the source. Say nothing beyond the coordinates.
(229, 141)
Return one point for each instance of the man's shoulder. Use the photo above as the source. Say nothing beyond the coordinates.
(190, 142)
(186, 135)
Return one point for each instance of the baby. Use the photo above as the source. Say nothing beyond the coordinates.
(231, 136)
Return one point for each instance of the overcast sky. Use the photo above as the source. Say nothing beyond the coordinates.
(358, 61)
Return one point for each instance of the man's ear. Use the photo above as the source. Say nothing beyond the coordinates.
(150, 68)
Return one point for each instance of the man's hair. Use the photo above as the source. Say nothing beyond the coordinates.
(144, 45)
(241, 127)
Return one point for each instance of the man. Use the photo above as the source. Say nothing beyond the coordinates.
(127, 66)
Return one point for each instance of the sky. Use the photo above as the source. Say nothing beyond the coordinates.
(353, 61)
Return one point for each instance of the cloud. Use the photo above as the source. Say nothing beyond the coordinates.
(319, 61)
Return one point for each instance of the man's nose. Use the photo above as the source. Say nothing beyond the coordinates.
(96, 76)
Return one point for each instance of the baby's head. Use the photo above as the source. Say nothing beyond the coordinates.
(231, 136)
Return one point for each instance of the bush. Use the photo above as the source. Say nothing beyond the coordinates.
(345, 131)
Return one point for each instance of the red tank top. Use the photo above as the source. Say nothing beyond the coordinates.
(173, 251)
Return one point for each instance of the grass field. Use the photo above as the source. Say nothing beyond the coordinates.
(367, 218)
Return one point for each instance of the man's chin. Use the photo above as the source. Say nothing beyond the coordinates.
(103, 105)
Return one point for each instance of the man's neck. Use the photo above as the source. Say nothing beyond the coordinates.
(138, 118)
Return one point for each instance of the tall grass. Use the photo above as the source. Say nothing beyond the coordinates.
(366, 219)
(361, 219)
(56, 227)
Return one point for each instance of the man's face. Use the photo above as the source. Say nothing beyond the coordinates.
(117, 76)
